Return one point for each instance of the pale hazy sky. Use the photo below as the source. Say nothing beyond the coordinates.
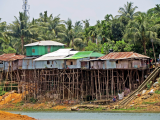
(73, 9)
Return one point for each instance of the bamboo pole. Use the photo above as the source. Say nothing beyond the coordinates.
(99, 85)
(107, 92)
(95, 83)
(112, 84)
(77, 84)
(73, 84)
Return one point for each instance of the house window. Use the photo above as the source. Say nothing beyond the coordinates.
(52, 62)
(48, 62)
(49, 49)
(71, 63)
(33, 50)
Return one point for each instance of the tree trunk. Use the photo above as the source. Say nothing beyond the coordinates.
(96, 40)
(72, 42)
(103, 40)
(22, 43)
(93, 39)
(144, 46)
(67, 44)
(87, 40)
(154, 54)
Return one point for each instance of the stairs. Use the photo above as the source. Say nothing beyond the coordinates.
(151, 77)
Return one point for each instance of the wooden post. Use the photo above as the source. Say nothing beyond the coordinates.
(142, 76)
(130, 78)
(123, 85)
(69, 84)
(112, 84)
(73, 83)
(107, 92)
(92, 84)
(82, 85)
(63, 86)
(99, 84)
(117, 81)
(105, 82)
(95, 84)
(77, 84)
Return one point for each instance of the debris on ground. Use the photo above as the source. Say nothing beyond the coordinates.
(149, 99)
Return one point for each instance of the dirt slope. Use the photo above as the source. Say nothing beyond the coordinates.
(10, 116)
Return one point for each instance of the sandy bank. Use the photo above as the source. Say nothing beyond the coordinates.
(10, 116)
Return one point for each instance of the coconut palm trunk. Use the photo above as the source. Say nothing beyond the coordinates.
(22, 43)
(144, 46)
(73, 42)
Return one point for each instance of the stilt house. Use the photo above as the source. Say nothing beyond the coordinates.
(124, 60)
(42, 47)
(11, 61)
(54, 59)
(80, 59)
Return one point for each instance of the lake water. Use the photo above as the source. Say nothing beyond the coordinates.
(89, 115)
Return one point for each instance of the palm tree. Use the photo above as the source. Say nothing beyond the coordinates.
(69, 36)
(107, 17)
(92, 32)
(128, 10)
(55, 25)
(143, 28)
(19, 28)
(86, 30)
(4, 38)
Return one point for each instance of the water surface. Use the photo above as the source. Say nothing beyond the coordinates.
(89, 115)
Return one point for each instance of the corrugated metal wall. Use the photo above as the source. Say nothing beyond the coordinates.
(40, 50)
(110, 64)
(78, 65)
(29, 51)
(28, 64)
(50, 64)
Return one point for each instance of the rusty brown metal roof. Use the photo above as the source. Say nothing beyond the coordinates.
(122, 55)
(11, 57)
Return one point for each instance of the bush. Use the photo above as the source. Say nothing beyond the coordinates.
(32, 100)
(1, 91)
(157, 91)
(149, 85)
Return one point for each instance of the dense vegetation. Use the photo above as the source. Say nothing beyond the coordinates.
(129, 31)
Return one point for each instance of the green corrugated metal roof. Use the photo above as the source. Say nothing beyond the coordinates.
(96, 54)
(84, 54)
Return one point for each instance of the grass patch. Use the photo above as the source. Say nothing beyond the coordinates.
(19, 104)
(157, 91)
(98, 109)
(1, 91)
(132, 108)
(149, 102)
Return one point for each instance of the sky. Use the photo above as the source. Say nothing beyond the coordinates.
(76, 10)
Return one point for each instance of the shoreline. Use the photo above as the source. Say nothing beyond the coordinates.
(103, 111)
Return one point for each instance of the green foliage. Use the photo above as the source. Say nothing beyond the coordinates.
(157, 91)
(149, 85)
(132, 108)
(122, 46)
(32, 100)
(149, 102)
(129, 31)
(19, 104)
(106, 47)
(9, 50)
(1, 91)
(93, 47)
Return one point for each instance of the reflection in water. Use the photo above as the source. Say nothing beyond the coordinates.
(89, 115)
